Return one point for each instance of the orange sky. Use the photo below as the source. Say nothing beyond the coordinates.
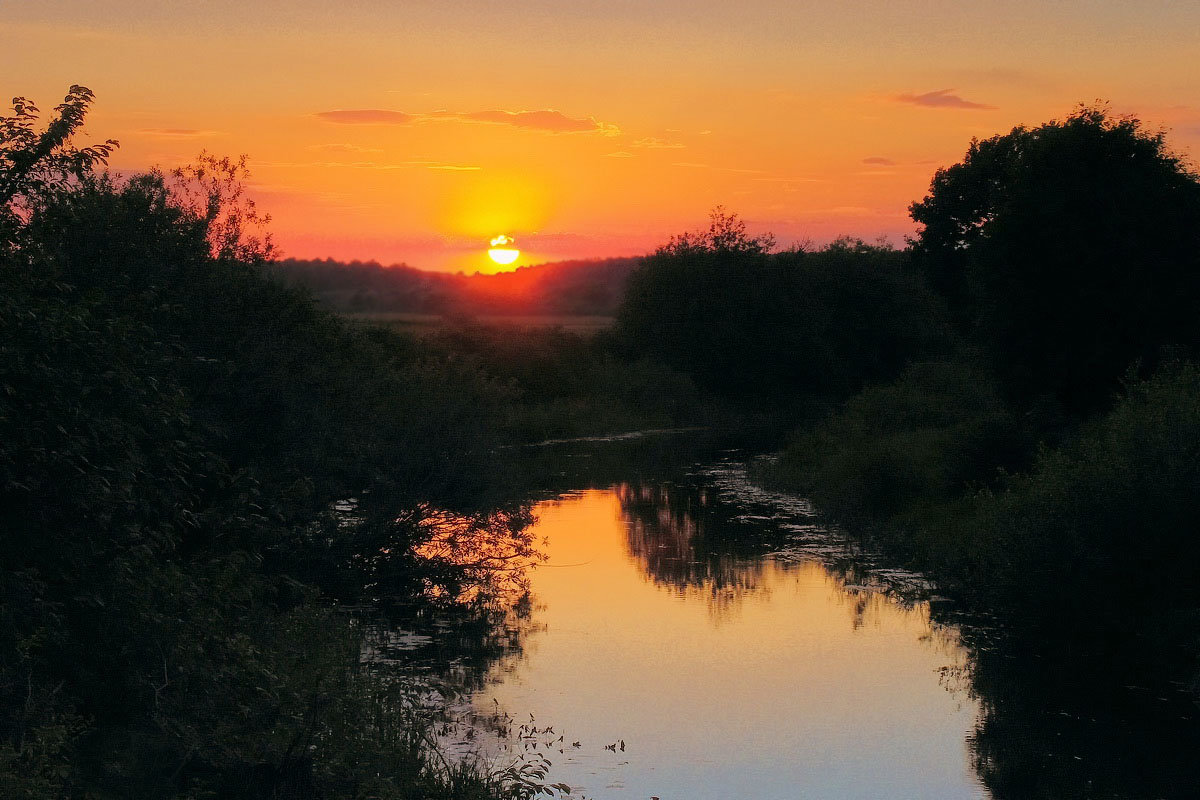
(416, 131)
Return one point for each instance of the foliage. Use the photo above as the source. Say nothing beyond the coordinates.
(1068, 252)
(567, 385)
(897, 454)
(726, 234)
(1105, 526)
(1100, 530)
(588, 288)
(213, 190)
(34, 164)
(747, 323)
(177, 435)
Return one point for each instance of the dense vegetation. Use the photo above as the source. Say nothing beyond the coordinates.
(1048, 464)
(1012, 405)
(195, 464)
(1011, 402)
(746, 323)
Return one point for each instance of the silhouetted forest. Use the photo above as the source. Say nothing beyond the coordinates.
(210, 484)
(591, 288)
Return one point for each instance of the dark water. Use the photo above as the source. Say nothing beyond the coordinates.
(692, 636)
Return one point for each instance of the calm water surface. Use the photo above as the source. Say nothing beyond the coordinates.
(706, 631)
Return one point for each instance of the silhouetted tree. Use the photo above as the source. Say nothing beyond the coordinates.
(1068, 251)
(34, 162)
(749, 323)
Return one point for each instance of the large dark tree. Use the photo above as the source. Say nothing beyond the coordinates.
(1069, 251)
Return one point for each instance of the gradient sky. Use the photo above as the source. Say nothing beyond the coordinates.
(414, 131)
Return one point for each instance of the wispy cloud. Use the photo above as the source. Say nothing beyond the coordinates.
(655, 143)
(619, 154)
(546, 120)
(849, 211)
(178, 133)
(942, 98)
(366, 116)
(372, 165)
(879, 161)
(780, 179)
(343, 148)
(737, 170)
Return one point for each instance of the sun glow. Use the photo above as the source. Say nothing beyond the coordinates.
(502, 253)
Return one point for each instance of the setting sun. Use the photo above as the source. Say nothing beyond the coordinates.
(502, 252)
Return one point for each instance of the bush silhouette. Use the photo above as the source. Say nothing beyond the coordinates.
(750, 324)
(1068, 251)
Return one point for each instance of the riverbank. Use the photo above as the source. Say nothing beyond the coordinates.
(1096, 535)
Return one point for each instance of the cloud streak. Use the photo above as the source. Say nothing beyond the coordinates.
(177, 133)
(371, 165)
(942, 98)
(366, 116)
(655, 143)
(545, 120)
(343, 148)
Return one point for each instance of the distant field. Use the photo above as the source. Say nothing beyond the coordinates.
(422, 323)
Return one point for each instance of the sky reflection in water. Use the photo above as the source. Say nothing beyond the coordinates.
(726, 675)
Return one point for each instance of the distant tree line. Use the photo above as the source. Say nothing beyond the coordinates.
(590, 288)
(749, 323)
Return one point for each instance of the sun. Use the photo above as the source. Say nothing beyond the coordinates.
(502, 251)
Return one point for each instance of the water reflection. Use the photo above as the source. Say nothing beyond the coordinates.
(809, 689)
(678, 540)
(469, 611)
(1070, 718)
(738, 647)
(1061, 715)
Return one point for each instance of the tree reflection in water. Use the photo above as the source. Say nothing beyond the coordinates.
(685, 542)
(1061, 716)
(474, 612)
(1069, 718)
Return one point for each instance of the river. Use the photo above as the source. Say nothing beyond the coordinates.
(689, 635)
(694, 639)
